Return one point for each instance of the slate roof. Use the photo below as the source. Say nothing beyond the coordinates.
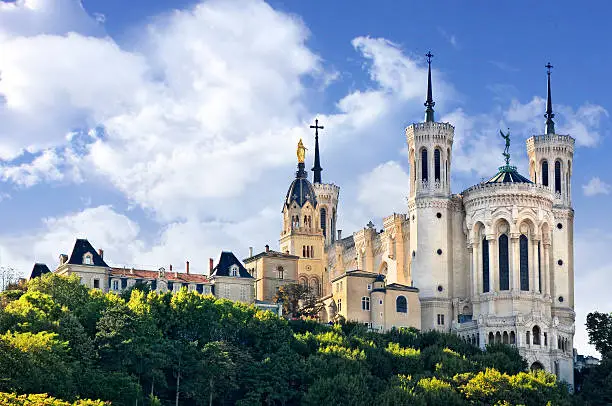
(508, 174)
(301, 190)
(81, 247)
(169, 275)
(39, 270)
(226, 260)
(271, 253)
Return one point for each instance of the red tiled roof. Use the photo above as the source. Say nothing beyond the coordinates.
(171, 276)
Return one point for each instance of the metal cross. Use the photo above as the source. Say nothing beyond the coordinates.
(549, 67)
(429, 55)
(317, 127)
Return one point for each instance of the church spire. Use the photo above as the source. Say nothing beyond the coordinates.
(317, 161)
(550, 124)
(429, 103)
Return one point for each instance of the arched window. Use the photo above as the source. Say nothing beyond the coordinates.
(491, 338)
(512, 338)
(304, 251)
(545, 173)
(323, 221)
(365, 303)
(504, 266)
(280, 272)
(557, 177)
(401, 305)
(333, 225)
(527, 337)
(524, 270)
(505, 338)
(311, 251)
(536, 335)
(437, 165)
(485, 265)
(424, 174)
(498, 338)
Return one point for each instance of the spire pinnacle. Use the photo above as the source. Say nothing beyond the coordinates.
(317, 161)
(550, 124)
(429, 103)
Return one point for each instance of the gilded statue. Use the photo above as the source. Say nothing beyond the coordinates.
(301, 152)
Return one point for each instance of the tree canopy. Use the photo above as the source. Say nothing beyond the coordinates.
(58, 337)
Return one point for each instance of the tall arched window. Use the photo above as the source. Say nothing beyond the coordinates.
(311, 251)
(512, 338)
(491, 338)
(485, 265)
(557, 176)
(333, 225)
(424, 174)
(524, 253)
(536, 335)
(505, 338)
(401, 305)
(504, 265)
(324, 221)
(437, 165)
(545, 173)
(539, 269)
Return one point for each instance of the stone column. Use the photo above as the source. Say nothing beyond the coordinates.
(514, 260)
(493, 265)
(546, 268)
(534, 265)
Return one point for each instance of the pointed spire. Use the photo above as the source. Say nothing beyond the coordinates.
(429, 103)
(317, 161)
(550, 124)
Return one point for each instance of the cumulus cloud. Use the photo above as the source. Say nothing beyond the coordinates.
(383, 191)
(596, 186)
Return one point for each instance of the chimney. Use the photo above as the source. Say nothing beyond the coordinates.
(339, 234)
(267, 248)
(250, 252)
(210, 266)
(101, 253)
(170, 267)
(187, 267)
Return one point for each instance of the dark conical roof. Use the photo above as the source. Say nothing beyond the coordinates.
(301, 190)
(508, 174)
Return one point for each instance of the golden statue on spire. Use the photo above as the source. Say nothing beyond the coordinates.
(301, 152)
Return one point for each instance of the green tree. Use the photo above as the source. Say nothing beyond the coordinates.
(298, 301)
(599, 327)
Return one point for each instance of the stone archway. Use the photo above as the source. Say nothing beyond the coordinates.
(536, 366)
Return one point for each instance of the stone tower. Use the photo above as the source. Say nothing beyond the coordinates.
(327, 195)
(550, 161)
(430, 210)
(302, 234)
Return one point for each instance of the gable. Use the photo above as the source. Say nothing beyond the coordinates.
(81, 248)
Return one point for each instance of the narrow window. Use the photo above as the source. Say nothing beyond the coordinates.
(545, 173)
(281, 272)
(545, 340)
(491, 338)
(123, 283)
(485, 265)
(527, 337)
(115, 285)
(424, 174)
(524, 270)
(401, 305)
(170, 286)
(557, 177)
(437, 165)
(323, 221)
(339, 305)
(365, 303)
(199, 288)
(96, 283)
(505, 338)
(504, 266)
(304, 251)
(311, 251)
(512, 338)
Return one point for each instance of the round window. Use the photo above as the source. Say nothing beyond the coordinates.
(439, 215)
(561, 299)
(560, 262)
(440, 288)
(439, 251)
(559, 226)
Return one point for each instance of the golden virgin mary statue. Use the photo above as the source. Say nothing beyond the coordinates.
(301, 152)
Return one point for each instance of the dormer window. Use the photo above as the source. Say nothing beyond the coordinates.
(234, 270)
(88, 259)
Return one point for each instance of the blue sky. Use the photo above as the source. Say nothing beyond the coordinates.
(165, 131)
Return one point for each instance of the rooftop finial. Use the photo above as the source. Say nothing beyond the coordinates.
(317, 161)
(506, 153)
(550, 124)
(429, 103)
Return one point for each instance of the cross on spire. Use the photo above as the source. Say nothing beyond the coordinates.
(429, 103)
(550, 124)
(317, 160)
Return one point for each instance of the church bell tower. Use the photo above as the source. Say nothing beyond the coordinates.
(431, 214)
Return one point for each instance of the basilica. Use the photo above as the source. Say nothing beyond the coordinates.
(492, 264)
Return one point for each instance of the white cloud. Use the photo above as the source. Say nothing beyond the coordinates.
(596, 186)
(383, 191)
(43, 168)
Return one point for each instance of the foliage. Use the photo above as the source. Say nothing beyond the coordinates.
(599, 327)
(595, 383)
(147, 348)
(12, 399)
(298, 300)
